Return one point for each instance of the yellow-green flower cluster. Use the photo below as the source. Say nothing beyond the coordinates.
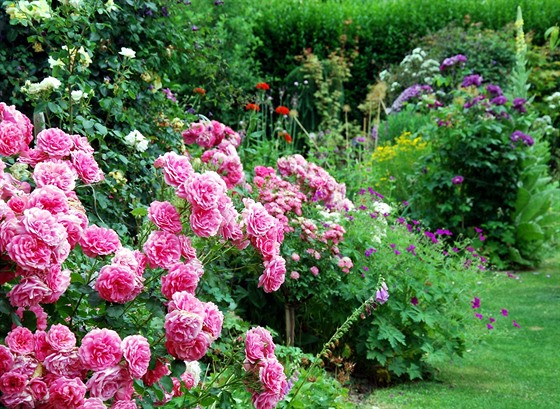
(24, 10)
(404, 144)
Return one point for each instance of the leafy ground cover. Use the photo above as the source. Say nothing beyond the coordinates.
(513, 367)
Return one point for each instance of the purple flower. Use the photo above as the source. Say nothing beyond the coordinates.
(479, 316)
(169, 94)
(478, 230)
(492, 319)
(473, 102)
(414, 301)
(489, 326)
(469, 80)
(370, 251)
(452, 61)
(475, 303)
(457, 180)
(164, 11)
(397, 252)
(194, 28)
(517, 136)
(218, 2)
(413, 91)
(411, 249)
(392, 245)
(494, 90)
(362, 191)
(374, 134)
(515, 324)
(431, 236)
(499, 100)
(519, 105)
(504, 312)
(382, 295)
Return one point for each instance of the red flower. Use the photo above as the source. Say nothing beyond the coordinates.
(282, 110)
(200, 91)
(252, 107)
(263, 85)
(286, 136)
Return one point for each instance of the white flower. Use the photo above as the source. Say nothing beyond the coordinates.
(110, 6)
(56, 63)
(142, 145)
(136, 140)
(193, 368)
(127, 52)
(48, 84)
(77, 95)
(382, 208)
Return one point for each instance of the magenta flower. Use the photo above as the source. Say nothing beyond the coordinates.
(457, 180)
(489, 326)
(479, 316)
(475, 303)
(491, 319)
(414, 301)
(505, 312)
(382, 295)
(515, 324)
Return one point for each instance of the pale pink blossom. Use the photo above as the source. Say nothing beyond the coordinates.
(92, 403)
(258, 345)
(186, 301)
(136, 351)
(165, 216)
(100, 349)
(117, 283)
(61, 338)
(57, 173)
(50, 198)
(99, 241)
(213, 320)
(205, 190)
(191, 376)
(182, 326)
(55, 142)
(29, 291)
(314, 270)
(11, 139)
(133, 259)
(181, 277)
(44, 226)
(65, 363)
(176, 168)
(68, 393)
(294, 275)
(162, 249)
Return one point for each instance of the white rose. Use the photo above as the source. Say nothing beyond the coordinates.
(127, 52)
(77, 95)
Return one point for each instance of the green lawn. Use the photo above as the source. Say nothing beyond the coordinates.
(514, 368)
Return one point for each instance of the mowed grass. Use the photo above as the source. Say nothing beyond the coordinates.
(514, 368)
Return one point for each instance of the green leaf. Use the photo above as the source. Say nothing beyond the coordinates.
(139, 212)
(54, 108)
(529, 231)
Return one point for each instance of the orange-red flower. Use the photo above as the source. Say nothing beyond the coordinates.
(282, 110)
(252, 107)
(263, 85)
(286, 136)
(200, 91)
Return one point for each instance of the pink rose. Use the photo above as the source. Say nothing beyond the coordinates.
(26, 365)
(32, 156)
(153, 375)
(18, 203)
(58, 281)
(92, 403)
(191, 376)
(9, 113)
(11, 139)
(29, 291)
(187, 249)
(314, 270)
(23, 399)
(162, 249)
(64, 364)
(182, 326)
(133, 259)
(20, 341)
(124, 404)
(118, 284)
(294, 275)
(43, 225)
(205, 190)
(258, 345)
(106, 383)
(274, 274)
(271, 375)
(42, 347)
(181, 277)
(100, 349)
(194, 132)
(29, 252)
(165, 216)
(192, 350)
(136, 351)
(81, 143)
(55, 142)
(265, 400)
(72, 224)
(66, 393)
(257, 219)
(39, 389)
(205, 223)
(86, 167)
(12, 383)
(176, 168)
(185, 301)
(61, 338)
(50, 198)
(6, 359)
(99, 241)
(57, 173)
(213, 320)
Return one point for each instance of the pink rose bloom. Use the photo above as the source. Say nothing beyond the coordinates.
(124, 404)
(191, 376)
(192, 350)
(50, 198)
(106, 383)
(257, 219)
(136, 351)
(295, 257)
(176, 168)
(258, 345)
(271, 375)
(153, 375)
(66, 393)
(205, 223)
(92, 403)
(55, 142)
(6, 359)
(29, 252)
(205, 190)
(181, 277)
(18, 203)
(133, 259)
(61, 338)
(294, 275)
(32, 156)
(81, 143)
(182, 326)
(194, 131)
(64, 364)
(118, 284)
(9, 113)
(99, 241)
(266, 400)
(187, 302)
(187, 249)
(162, 249)
(39, 389)
(100, 349)
(267, 245)
(11, 139)
(43, 225)
(86, 167)
(26, 365)
(274, 274)
(58, 281)
(213, 320)
(29, 291)
(165, 216)
(314, 270)
(12, 383)
(72, 224)
(42, 347)
(23, 399)
(57, 173)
